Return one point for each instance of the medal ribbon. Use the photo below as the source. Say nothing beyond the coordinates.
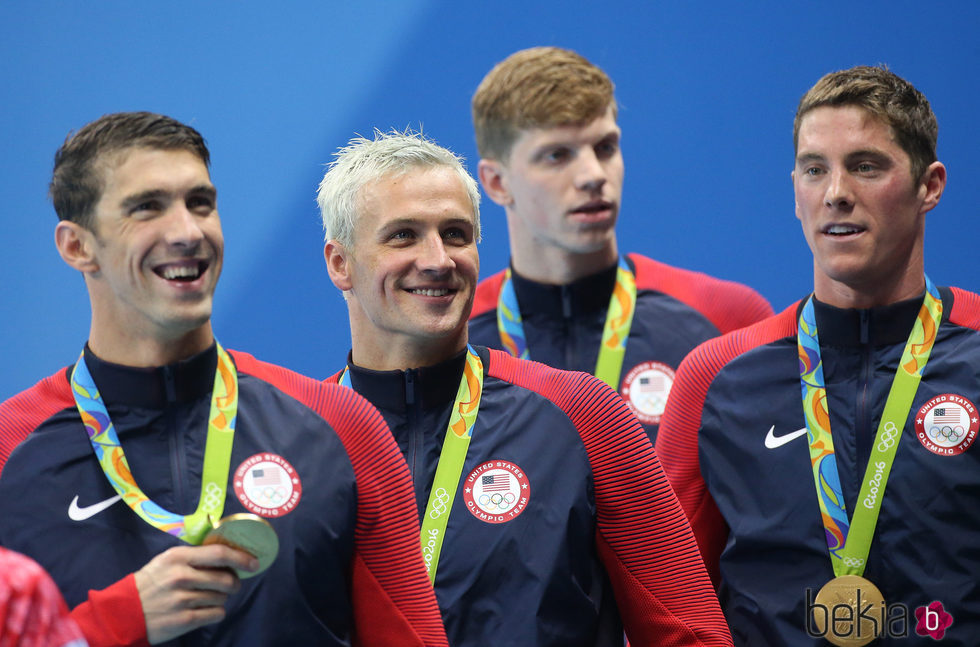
(619, 319)
(850, 542)
(217, 453)
(451, 459)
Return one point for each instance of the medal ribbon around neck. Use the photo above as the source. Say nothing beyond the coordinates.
(619, 320)
(850, 542)
(451, 459)
(217, 453)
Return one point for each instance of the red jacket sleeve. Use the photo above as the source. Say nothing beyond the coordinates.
(681, 425)
(21, 414)
(677, 447)
(726, 304)
(113, 617)
(392, 598)
(661, 587)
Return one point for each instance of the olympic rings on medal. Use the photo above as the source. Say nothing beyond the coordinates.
(853, 561)
(439, 507)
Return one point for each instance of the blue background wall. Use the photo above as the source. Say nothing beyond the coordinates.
(707, 94)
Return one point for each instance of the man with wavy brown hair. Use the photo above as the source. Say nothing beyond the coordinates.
(546, 130)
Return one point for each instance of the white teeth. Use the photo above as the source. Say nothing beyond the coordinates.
(180, 272)
(842, 229)
(441, 292)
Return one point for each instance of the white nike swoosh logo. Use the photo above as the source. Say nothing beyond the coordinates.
(773, 441)
(76, 513)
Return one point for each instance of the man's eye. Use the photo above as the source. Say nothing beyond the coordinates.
(813, 170)
(606, 149)
(401, 235)
(200, 203)
(557, 155)
(144, 207)
(455, 234)
(865, 167)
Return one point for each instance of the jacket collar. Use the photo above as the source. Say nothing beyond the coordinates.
(587, 294)
(154, 387)
(883, 325)
(428, 386)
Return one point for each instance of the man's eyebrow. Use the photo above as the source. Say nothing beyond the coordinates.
(869, 152)
(206, 189)
(144, 196)
(805, 157)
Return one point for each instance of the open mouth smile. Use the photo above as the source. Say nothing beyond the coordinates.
(184, 271)
(431, 292)
(842, 230)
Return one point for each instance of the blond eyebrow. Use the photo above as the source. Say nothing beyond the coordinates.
(809, 157)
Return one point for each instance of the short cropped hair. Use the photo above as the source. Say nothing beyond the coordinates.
(540, 87)
(78, 178)
(363, 161)
(886, 96)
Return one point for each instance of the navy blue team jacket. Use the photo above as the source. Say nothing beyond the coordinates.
(592, 539)
(316, 461)
(734, 445)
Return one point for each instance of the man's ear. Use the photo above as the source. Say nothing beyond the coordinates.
(493, 177)
(76, 245)
(933, 183)
(796, 203)
(338, 264)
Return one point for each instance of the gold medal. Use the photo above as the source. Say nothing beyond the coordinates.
(249, 533)
(854, 610)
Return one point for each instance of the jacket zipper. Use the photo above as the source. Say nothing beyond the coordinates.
(177, 472)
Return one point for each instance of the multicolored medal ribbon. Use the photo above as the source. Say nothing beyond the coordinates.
(850, 542)
(465, 409)
(217, 454)
(619, 320)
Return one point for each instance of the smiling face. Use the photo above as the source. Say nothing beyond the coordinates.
(152, 258)
(863, 214)
(561, 188)
(411, 274)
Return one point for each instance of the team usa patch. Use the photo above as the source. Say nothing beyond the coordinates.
(267, 485)
(645, 388)
(496, 491)
(947, 424)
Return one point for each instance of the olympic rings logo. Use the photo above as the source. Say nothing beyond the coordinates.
(853, 561)
(439, 503)
(888, 437)
(214, 495)
(271, 495)
(946, 432)
(500, 501)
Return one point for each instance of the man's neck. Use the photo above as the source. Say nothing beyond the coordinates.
(870, 294)
(559, 267)
(139, 351)
(398, 356)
